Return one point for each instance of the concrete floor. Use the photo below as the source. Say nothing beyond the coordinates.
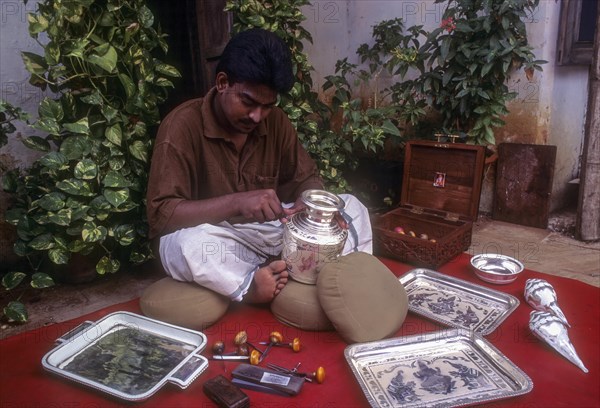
(551, 251)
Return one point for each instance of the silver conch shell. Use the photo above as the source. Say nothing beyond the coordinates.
(553, 331)
(542, 296)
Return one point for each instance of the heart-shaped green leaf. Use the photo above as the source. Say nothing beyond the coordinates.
(93, 233)
(16, 311)
(12, 279)
(40, 280)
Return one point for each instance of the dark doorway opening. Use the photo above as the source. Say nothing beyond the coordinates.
(197, 33)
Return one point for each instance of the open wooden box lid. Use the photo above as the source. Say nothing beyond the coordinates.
(445, 177)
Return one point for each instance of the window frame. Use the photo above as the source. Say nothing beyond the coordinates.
(571, 51)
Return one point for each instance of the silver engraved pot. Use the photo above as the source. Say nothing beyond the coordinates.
(313, 237)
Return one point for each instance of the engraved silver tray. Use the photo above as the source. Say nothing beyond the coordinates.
(128, 356)
(449, 368)
(456, 302)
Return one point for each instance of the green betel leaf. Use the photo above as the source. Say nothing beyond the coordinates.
(41, 219)
(52, 202)
(116, 163)
(61, 242)
(42, 242)
(114, 134)
(21, 249)
(93, 99)
(109, 112)
(116, 197)
(139, 151)
(93, 233)
(127, 206)
(256, 20)
(99, 203)
(47, 125)
(16, 311)
(138, 257)
(13, 279)
(105, 56)
(52, 53)
(76, 48)
(34, 63)
(81, 126)
(115, 179)
(75, 187)
(61, 217)
(37, 24)
(125, 234)
(75, 147)
(41, 280)
(77, 246)
(128, 85)
(107, 265)
(167, 69)
(37, 143)
(145, 16)
(79, 213)
(86, 169)
(50, 109)
(164, 82)
(10, 181)
(140, 129)
(53, 160)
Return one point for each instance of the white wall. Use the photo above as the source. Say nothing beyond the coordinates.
(549, 109)
(14, 79)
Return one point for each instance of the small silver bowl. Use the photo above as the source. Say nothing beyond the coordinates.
(496, 268)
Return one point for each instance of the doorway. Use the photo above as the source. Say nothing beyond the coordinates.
(198, 30)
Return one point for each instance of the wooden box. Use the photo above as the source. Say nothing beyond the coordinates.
(441, 189)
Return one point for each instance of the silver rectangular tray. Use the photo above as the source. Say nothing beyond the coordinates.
(455, 302)
(128, 356)
(449, 368)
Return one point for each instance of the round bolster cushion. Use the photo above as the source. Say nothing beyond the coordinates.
(183, 304)
(297, 305)
(362, 298)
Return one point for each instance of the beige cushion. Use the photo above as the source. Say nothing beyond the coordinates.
(362, 297)
(183, 304)
(297, 305)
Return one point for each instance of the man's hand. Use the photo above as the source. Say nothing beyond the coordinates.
(259, 205)
(288, 212)
(300, 206)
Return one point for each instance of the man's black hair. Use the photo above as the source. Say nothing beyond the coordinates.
(258, 56)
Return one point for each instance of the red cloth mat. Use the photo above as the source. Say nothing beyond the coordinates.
(557, 382)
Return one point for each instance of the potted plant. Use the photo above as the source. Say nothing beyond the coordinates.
(86, 194)
(470, 57)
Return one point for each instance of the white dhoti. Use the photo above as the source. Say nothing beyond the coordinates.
(224, 257)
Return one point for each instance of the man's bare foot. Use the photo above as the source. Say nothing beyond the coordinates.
(268, 282)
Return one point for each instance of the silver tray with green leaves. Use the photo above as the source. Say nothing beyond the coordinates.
(449, 368)
(128, 356)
